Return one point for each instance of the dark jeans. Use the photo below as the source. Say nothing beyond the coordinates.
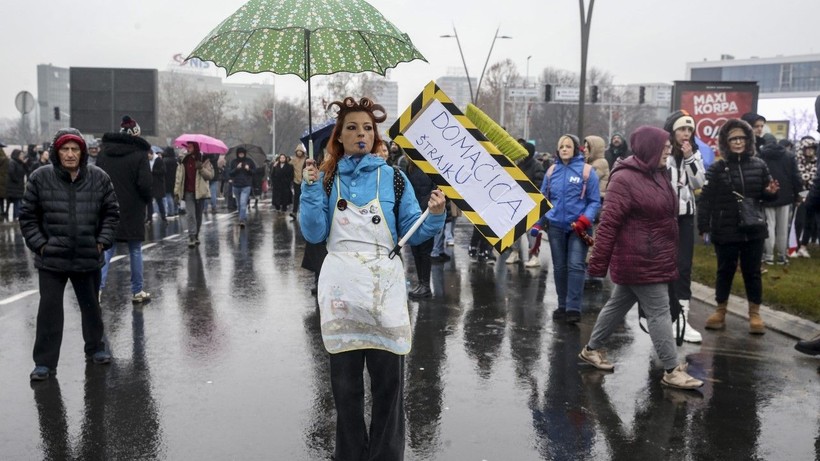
(750, 254)
(50, 315)
(805, 224)
(385, 440)
(421, 257)
(682, 287)
(297, 193)
(149, 209)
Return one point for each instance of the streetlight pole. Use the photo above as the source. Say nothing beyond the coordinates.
(527, 80)
(463, 61)
(586, 19)
(481, 78)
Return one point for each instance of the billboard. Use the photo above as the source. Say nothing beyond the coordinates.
(99, 97)
(711, 104)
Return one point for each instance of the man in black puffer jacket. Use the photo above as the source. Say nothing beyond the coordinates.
(124, 156)
(737, 172)
(68, 218)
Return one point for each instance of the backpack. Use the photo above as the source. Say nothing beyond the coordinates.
(551, 169)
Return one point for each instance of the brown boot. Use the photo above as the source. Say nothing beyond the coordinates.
(717, 321)
(756, 325)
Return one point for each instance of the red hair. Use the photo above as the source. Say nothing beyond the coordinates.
(335, 149)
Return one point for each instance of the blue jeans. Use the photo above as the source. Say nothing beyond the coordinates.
(134, 257)
(243, 194)
(214, 185)
(569, 255)
(170, 205)
(438, 243)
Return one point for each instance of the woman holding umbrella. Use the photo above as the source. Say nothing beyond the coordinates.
(362, 297)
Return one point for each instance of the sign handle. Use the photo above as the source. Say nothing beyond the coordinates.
(409, 234)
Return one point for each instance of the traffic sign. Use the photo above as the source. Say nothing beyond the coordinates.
(522, 93)
(24, 102)
(567, 94)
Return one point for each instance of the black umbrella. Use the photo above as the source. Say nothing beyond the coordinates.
(318, 136)
(255, 153)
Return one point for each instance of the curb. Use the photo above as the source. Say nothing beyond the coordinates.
(782, 322)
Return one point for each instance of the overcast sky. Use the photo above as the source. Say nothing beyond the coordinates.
(638, 41)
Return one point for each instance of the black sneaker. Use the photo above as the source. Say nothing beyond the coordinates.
(442, 258)
(421, 292)
(573, 317)
(559, 314)
(100, 358)
(40, 373)
(472, 252)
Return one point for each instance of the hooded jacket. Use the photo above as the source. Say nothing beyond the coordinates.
(782, 166)
(4, 173)
(613, 153)
(687, 175)
(744, 173)
(125, 158)
(66, 219)
(359, 186)
(203, 175)
(595, 157)
(563, 189)
(637, 238)
(169, 159)
(17, 176)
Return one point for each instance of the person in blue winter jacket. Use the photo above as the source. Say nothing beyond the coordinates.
(362, 298)
(575, 195)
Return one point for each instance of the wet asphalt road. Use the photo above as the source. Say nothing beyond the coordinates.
(226, 362)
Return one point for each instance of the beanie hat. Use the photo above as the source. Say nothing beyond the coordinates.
(751, 118)
(129, 126)
(530, 147)
(59, 142)
(678, 119)
(241, 150)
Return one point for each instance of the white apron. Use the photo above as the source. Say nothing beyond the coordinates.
(362, 294)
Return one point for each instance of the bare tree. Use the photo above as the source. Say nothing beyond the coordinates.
(801, 122)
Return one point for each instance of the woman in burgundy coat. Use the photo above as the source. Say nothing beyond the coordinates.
(637, 240)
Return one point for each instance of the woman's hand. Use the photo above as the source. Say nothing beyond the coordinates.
(773, 186)
(310, 173)
(436, 202)
(686, 149)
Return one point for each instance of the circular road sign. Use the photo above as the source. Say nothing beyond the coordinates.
(24, 102)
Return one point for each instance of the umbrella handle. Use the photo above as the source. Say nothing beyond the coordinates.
(310, 155)
(396, 249)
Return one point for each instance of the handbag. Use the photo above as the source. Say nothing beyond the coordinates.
(750, 215)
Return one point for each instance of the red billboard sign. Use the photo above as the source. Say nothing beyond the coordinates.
(711, 104)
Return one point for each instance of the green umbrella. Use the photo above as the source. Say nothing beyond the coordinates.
(306, 38)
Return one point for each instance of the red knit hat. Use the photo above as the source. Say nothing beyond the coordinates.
(69, 137)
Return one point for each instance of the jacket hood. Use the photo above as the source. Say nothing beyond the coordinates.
(125, 143)
(647, 148)
(773, 151)
(597, 146)
(624, 144)
(723, 137)
(53, 155)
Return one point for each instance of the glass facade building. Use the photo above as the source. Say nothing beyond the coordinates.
(787, 76)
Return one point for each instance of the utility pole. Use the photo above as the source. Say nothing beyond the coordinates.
(586, 20)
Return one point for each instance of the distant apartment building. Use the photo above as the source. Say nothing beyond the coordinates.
(457, 87)
(52, 99)
(777, 77)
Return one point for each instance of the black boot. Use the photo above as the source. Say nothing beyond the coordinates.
(809, 346)
(420, 292)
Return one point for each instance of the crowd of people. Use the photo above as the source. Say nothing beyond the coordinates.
(631, 210)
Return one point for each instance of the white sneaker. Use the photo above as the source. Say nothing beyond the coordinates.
(513, 258)
(690, 335)
(534, 261)
(803, 252)
(141, 297)
(680, 379)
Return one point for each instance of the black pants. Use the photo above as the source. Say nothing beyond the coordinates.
(750, 254)
(421, 257)
(50, 315)
(297, 194)
(805, 224)
(385, 440)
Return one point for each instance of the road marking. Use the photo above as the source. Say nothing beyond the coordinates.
(171, 237)
(116, 258)
(145, 247)
(18, 297)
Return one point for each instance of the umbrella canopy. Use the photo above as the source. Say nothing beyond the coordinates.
(306, 38)
(207, 144)
(318, 136)
(255, 153)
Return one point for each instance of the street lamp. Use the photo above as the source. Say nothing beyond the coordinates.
(527, 80)
(474, 95)
(478, 90)
(463, 61)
